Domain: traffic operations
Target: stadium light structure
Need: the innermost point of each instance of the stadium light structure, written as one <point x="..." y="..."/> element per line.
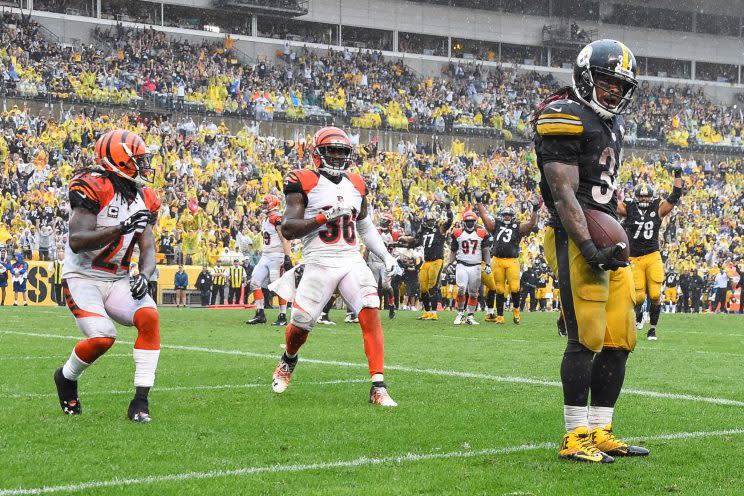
<point x="292" y="8"/>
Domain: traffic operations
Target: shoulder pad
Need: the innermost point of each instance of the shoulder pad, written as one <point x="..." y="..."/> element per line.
<point x="560" y="118"/>
<point x="300" y="181"/>
<point x="482" y="233"/>
<point x="152" y="202"/>
<point x="358" y="182"/>
<point x="90" y="190"/>
<point x="456" y="233"/>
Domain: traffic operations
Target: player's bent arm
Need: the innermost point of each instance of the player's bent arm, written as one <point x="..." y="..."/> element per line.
<point x="83" y="233"/>
<point x="443" y="228"/>
<point x="526" y="227"/>
<point x="667" y="205"/>
<point x="369" y="234"/>
<point x="146" y="243"/>
<point x="564" y="183"/>
<point x="622" y="211"/>
<point x="488" y="222"/>
<point x="295" y="225"/>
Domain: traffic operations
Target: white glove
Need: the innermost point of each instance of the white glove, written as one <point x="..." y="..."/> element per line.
<point x="335" y="212"/>
<point x="487" y="269"/>
<point x="390" y="264"/>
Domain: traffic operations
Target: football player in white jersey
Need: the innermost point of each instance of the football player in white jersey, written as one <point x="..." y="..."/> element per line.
<point x="377" y="264"/>
<point x="112" y="212"/>
<point x="275" y="256"/>
<point x="327" y="209"/>
<point x="469" y="249"/>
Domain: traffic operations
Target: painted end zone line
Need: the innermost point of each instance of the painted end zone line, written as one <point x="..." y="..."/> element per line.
<point x="358" y="462"/>
<point x="400" y="368"/>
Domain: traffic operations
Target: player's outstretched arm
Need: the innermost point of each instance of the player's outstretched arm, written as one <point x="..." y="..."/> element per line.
<point x="526" y="227"/>
<point x="146" y="244"/>
<point x="83" y="233"/>
<point x="488" y="222"/>
<point x="622" y="210"/>
<point x="667" y="205"/>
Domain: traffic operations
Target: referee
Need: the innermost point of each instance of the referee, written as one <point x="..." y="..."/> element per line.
<point x="55" y="277"/>
<point x="237" y="281"/>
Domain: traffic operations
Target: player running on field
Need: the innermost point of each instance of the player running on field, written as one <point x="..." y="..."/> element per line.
<point x="112" y="212"/>
<point x="469" y="250"/>
<point x="327" y="209"/>
<point x="275" y="256"/>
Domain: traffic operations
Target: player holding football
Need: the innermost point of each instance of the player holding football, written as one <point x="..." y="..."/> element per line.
<point x="327" y="208"/>
<point x="112" y="212"/>
<point x="469" y="250"/>
<point x="578" y="140"/>
<point x="643" y="217"/>
<point x="507" y="234"/>
<point x="276" y="254"/>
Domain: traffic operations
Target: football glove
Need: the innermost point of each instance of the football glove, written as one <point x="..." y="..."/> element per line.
<point x="138" y="285"/>
<point x="480" y="196"/>
<point x="604" y="259"/>
<point x="332" y="213"/>
<point x="677" y="170"/>
<point x="287" y="263"/>
<point x="137" y="221"/>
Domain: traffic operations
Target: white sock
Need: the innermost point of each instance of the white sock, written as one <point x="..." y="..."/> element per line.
<point x="471" y="309"/>
<point x="259" y="304"/>
<point x="283" y="308"/>
<point x="377" y="378"/>
<point x="145" y="364"/>
<point x="575" y="416"/>
<point x="74" y="367"/>
<point x="600" y="416"/>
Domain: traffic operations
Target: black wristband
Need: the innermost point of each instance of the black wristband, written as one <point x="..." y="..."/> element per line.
<point x="588" y="249"/>
<point x="675" y="196"/>
<point x="678" y="172"/>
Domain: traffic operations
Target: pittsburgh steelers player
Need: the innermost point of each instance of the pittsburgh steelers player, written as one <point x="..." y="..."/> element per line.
<point x="578" y="140"/>
<point x="507" y="233"/>
<point x="643" y="217"/>
<point x="670" y="290"/>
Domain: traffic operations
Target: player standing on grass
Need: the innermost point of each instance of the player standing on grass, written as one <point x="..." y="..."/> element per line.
<point x="111" y="214"/>
<point x="579" y="136"/>
<point x="327" y="208"/>
<point x="469" y="251"/>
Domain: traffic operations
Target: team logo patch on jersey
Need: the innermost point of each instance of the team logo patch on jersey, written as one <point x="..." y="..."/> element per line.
<point x="113" y="212"/>
<point x="653" y="214"/>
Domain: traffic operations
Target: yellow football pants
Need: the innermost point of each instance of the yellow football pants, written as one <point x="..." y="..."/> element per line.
<point x="648" y="274"/>
<point x="505" y="273"/>
<point x="670" y="295"/>
<point x="429" y="275"/>
<point x="597" y="306"/>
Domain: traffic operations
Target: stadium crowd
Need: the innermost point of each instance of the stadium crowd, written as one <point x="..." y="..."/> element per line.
<point x="361" y="88"/>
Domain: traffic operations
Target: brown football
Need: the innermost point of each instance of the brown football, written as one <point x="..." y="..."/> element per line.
<point x="606" y="231"/>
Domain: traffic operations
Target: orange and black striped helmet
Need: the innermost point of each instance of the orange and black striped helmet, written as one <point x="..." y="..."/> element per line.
<point x="331" y="150"/>
<point x="124" y="153"/>
<point x="270" y="202"/>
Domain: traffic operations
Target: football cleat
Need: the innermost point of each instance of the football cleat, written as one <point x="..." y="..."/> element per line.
<point x="458" y="319"/>
<point x="351" y="318"/>
<point x="139" y="411"/>
<point x="605" y="440"/>
<point x="651" y="334"/>
<point x="577" y="445"/>
<point x="281" y="320"/>
<point x="561" y="326"/>
<point x="515" y="319"/>
<point x="378" y="395"/>
<point x="391" y="313"/>
<point x="490" y="317"/>
<point x="639" y="325"/>
<point x="500" y="319"/>
<point x="470" y="320"/>
<point x="260" y="318"/>
<point x="323" y="319"/>
<point x="67" y="393"/>
<point x="282" y="375"/>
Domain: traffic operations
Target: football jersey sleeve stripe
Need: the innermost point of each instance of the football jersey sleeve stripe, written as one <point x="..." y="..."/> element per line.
<point x="559" y="129"/>
<point x="560" y="115"/>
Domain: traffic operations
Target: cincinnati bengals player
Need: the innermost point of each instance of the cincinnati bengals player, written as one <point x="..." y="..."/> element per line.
<point x="275" y="255"/>
<point x="327" y="209"/>
<point x="112" y="213"/>
<point x="376" y="264"/>
<point x="469" y="248"/>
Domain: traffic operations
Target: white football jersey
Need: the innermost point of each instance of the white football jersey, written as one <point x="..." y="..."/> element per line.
<point x="95" y="192"/>
<point x="469" y="245"/>
<point x="272" y="243"/>
<point x="334" y="243"/>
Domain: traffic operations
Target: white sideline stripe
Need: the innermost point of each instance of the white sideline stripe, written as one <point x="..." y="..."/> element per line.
<point x="157" y="389"/>
<point x="358" y="462"/>
<point x="49" y="357"/>
<point x="436" y="372"/>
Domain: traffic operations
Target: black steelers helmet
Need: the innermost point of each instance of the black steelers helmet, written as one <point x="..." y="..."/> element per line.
<point x="507" y="212"/>
<point x="644" y="194"/>
<point x="599" y="64"/>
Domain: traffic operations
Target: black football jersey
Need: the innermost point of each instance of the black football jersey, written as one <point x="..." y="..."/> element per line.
<point x="432" y="239"/>
<point x="671" y="280"/>
<point x="642" y="226"/>
<point x="506" y="238"/>
<point x="570" y="132"/>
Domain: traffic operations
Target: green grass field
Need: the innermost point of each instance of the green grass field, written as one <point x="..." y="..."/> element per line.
<point x="480" y="411"/>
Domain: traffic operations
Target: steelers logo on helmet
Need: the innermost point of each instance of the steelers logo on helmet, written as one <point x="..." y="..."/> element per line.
<point x="469" y="220"/>
<point x="604" y="77"/>
<point x="125" y="154"/>
<point x="331" y="151"/>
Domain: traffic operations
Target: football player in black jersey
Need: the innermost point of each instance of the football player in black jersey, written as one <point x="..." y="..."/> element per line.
<point x="578" y="139"/>
<point x="670" y="290"/>
<point x="643" y="217"/>
<point x="507" y="233"/>
<point x="432" y="236"/>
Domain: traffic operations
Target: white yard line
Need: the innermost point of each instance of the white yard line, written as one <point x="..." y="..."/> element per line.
<point x="49" y="357"/>
<point x="401" y="368"/>
<point x="332" y="465"/>
<point x="166" y="389"/>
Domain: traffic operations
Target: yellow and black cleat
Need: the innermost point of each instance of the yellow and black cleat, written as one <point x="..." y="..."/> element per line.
<point x="605" y="440"/>
<point x="500" y="319"/>
<point x="490" y="317"/>
<point x="433" y="316"/>
<point x="424" y="316"/>
<point x="577" y="445"/>
<point x="516" y="316"/>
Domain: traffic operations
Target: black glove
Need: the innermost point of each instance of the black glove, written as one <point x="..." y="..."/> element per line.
<point x="481" y="196"/>
<point x="138" y="285"/>
<point x="604" y="259"/>
<point x="287" y="263"/>
<point x="137" y="220"/>
<point x="535" y="202"/>
<point x="677" y="170"/>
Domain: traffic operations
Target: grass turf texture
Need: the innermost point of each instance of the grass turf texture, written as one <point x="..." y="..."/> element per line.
<point x="203" y="430"/>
